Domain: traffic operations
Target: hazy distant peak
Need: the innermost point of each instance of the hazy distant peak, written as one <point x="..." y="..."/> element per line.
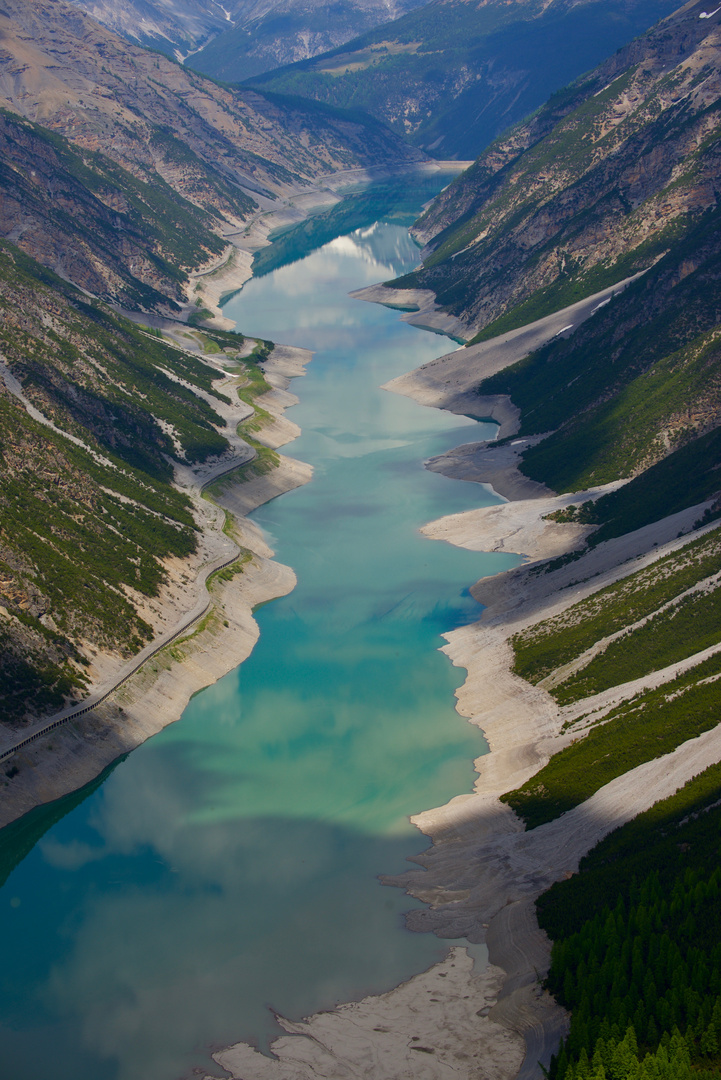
<point x="275" y="31"/>
<point x="182" y="25"/>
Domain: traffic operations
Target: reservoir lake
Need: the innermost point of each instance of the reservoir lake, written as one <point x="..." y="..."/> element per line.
<point x="228" y="867"/>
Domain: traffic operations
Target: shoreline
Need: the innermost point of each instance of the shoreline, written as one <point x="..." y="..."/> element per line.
<point x="191" y="640"/>
<point x="234" y="266"/>
<point x="482" y="873"/>
<point x="197" y="642"/>
<point x="522" y="723"/>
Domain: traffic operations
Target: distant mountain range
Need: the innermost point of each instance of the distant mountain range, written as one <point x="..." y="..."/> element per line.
<point x="120" y="167"/>
<point x="452" y="75"/>
<point x="250" y="35"/>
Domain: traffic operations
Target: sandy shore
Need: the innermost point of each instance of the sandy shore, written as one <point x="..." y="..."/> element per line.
<point x="450" y="381"/>
<point x="435" y="1025"/>
<point x="483" y="872"/>
<point x="419" y="307"/>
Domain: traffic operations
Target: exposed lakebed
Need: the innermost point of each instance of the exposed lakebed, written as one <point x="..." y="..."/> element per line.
<point x="229" y="865"/>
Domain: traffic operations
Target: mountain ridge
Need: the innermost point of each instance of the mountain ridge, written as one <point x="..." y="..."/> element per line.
<point x="140" y="131"/>
<point x="266" y="32"/>
<point x="453" y="75"/>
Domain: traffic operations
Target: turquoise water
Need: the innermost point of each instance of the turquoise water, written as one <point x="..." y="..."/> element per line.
<point x="229" y="866"/>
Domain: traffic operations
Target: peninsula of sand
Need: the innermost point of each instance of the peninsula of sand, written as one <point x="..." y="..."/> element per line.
<point x="483" y="872"/>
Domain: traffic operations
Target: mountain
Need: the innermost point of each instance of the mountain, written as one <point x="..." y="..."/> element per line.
<point x="595" y="186"/>
<point x="93" y="415"/>
<point x="267" y="35"/>
<point x="616" y="178"/>
<point x="454" y="74"/>
<point x="175" y="27"/>
<point x="121" y="168"/>
<point x="594" y="231"/>
<point x="256" y="34"/>
<point x="121" y="174"/>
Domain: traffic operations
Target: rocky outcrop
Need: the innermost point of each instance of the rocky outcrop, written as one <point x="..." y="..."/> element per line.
<point x="453" y="76"/>
<point x="258" y="34"/>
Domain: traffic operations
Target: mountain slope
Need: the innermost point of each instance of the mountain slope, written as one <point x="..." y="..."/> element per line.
<point x="259" y="34"/>
<point x="595" y="672"/>
<point x="175" y="27"/>
<point x="594" y="187"/>
<point x="89" y="513"/>
<point x="139" y="145"/>
<point x="266" y="35"/>
<point x="453" y="75"/>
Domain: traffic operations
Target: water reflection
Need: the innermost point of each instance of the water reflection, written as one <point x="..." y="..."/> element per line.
<point x="394" y="201"/>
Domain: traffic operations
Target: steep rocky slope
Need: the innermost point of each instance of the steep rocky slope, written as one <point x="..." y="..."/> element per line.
<point x="94" y="415"/>
<point x="255" y="34"/>
<point x="595" y="186"/>
<point x="266" y="34"/>
<point x="176" y="27"/>
<point x="138" y="145"/>
<point x="453" y="75"/>
<point x="595" y="671"/>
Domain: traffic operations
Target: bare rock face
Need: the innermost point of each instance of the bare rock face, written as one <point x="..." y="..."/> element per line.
<point x="268" y="33"/>
<point x="173" y="26"/>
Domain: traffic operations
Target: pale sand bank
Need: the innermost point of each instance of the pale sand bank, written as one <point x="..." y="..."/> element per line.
<point x="514" y="526"/>
<point x="434" y="1026"/>
<point x="450" y="381"/>
<point x="420" y="309"/>
<point x="480" y="880"/>
<point x="497" y="466"/>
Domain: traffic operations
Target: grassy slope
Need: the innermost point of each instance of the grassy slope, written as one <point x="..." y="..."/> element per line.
<point x="649" y="724"/>
<point x="83" y="524"/>
<point x="548" y="645"/>
<point x="593" y="187"/>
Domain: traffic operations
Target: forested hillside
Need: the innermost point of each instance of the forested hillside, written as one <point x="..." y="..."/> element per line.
<point x="94" y="414"/>
<point x="636" y="954"/>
